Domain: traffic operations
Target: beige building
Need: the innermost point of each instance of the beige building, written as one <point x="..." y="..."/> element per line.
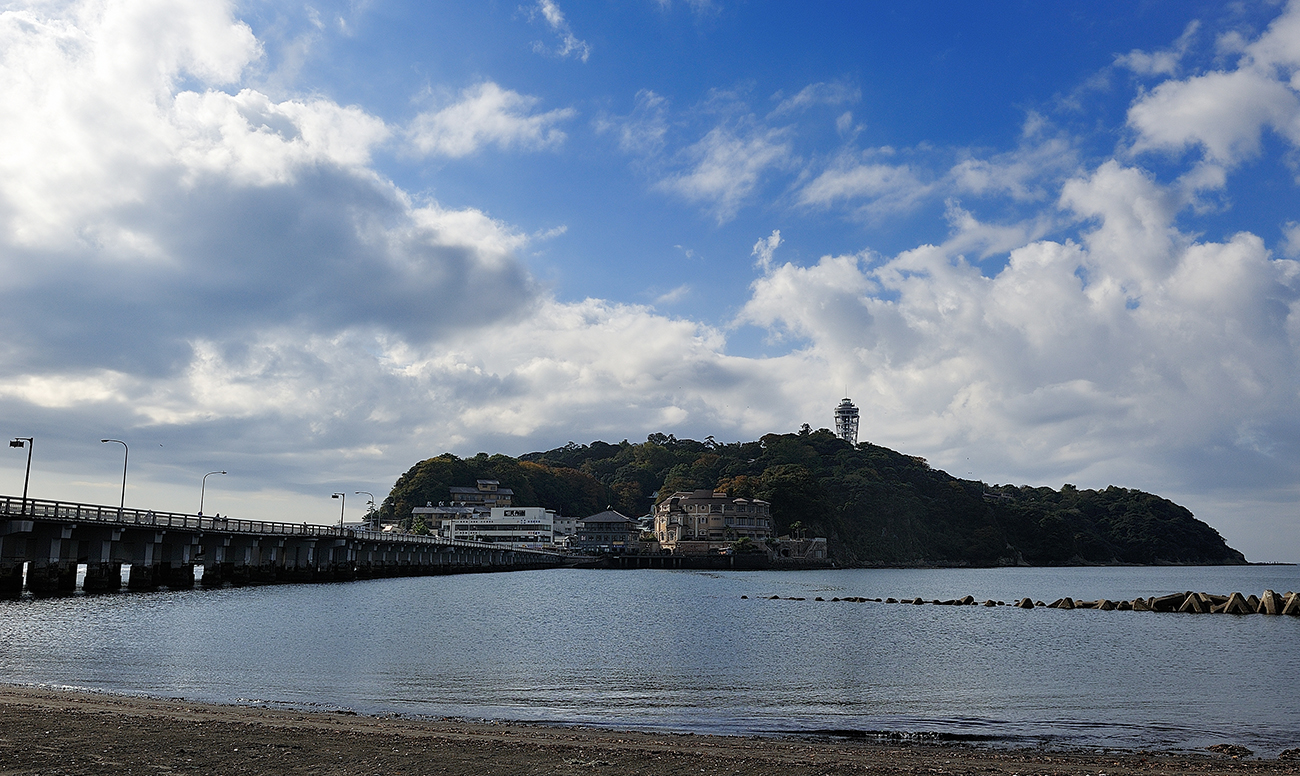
<point x="702" y="521"/>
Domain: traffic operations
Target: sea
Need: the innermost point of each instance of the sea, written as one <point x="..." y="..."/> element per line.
<point x="708" y="652"/>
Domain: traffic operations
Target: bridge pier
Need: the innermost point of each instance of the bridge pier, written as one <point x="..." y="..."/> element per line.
<point x="53" y="568"/>
<point x="100" y="549"/>
<point x="177" y="576"/>
<point x="142" y="576"/>
<point x="103" y="577"/>
<point x="145" y="550"/>
<point x="216" y="574"/>
<point x="52" y="577"/>
<point x="11" y="579"/>
<point x="13" y="554"/>
<point x="298" y="561"/>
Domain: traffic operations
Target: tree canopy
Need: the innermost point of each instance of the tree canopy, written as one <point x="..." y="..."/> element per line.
<point x="874" y="505"/>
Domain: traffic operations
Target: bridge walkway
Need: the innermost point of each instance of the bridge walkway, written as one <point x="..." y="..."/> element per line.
<point x="44" y="543"/>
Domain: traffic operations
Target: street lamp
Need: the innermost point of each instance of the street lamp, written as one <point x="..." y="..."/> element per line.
<point x="126" y="452"/>
<point x="371" y="502"/>
<point x="342" y="505"/>
<point x="30" y="443"/>
<point x="203" y="487"/>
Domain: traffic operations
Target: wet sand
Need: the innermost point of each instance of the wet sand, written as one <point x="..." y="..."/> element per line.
<point x="52" y="732"/>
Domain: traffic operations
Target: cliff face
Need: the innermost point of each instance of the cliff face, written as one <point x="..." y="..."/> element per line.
<point x="875" y="505"/>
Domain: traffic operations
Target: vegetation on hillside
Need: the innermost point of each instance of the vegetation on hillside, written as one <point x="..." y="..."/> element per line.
<point x="875" y="505"/>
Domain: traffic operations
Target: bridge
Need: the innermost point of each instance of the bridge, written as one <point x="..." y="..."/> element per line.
<point x="53" y="539"/>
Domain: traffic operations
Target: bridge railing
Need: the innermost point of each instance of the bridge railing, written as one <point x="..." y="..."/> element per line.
<point x="69" y="511"/>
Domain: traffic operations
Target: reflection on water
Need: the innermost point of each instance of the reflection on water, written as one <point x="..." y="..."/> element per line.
<point x="683" y="651"/>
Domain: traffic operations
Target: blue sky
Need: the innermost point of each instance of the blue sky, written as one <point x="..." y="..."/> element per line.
<point x="312" y="244"/>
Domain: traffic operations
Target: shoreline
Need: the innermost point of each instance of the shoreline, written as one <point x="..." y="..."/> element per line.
<point x="73" y="732"/>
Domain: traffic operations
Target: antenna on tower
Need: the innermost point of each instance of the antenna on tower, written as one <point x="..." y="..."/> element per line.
<point x="846" y="421"/>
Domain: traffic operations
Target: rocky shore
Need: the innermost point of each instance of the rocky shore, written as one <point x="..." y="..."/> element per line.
<point x="45" y="731"/>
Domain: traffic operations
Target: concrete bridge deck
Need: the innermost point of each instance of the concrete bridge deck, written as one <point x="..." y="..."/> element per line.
<point x="52" y="539"/>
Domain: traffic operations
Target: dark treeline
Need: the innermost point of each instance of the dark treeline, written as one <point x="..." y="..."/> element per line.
<point x="875" y="505"/>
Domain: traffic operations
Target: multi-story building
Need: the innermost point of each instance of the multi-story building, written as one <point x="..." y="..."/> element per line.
<point x="702" y="521"/>
<point x="607" y="531"/>
<point x="565" y="526"/>
<point x="435" y="516"/>
<point x="523" y="526"/>
<point x="485" y="493"/>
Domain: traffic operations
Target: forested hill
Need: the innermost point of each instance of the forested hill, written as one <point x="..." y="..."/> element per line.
<point x="875" y="505"/>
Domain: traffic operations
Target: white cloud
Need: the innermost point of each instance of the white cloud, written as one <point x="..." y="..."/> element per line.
<point x="872" y="185"/>
<point x="1026" y="174"/>
<point x="888" y="188"/>
<point x="1163" y="62"/>
<point x="185" y="261"/>
<point x="1291" y="240"/>
<point x="1225" y="112"/>
<point x="226" y="273"/>
<point x="643" y="132"/>
<point x="727" y="165"/>
<point x="765" y="249"/>
<point x="486" y="114"/>
<point x="1102" y="361"/>
<point x="675" y="295"/>
<point x="817" y="94"/>
<point x="569" y="44"/>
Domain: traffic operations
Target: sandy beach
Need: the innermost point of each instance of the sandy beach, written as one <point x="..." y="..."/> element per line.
<point x="45" y="731"/>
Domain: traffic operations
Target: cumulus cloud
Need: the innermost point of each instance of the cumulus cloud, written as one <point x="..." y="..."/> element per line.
<point x="1225" y="112"/>
<point x="226" y="273"/>
<point x="1291" y="240"/>
<point x="1070" y="349"/>
<point x="727" y="165"/>
<point x="484" y="115"/>
<point x="181" y="257"/>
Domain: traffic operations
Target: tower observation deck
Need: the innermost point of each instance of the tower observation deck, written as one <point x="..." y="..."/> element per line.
<point x="846" y="422"/>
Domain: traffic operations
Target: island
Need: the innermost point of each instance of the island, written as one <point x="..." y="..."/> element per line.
<point x="874" y="506"/>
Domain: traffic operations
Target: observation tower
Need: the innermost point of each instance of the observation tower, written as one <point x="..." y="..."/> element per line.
<point x="846" y="422"/>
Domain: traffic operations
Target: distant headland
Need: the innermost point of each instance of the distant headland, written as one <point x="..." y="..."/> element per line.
<point x="874" y="506"/>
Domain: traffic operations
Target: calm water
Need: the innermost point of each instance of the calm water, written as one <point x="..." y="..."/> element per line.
<point x="683" y="651"/>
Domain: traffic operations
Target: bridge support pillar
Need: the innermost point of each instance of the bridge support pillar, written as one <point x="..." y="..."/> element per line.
<point x="11" y="579"/>
<point x="216" y="574"/>
<point x="145" y="560"/>
<point x="177" y="576"/>
<point x="103" y="577"/>
<point x="216" y="571"/>
<point x="143" y="576"/>
<point x="13" y="553"/>
<point x="52" y="577"/>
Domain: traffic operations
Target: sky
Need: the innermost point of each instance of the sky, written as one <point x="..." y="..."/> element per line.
<point x="312" y="244"/>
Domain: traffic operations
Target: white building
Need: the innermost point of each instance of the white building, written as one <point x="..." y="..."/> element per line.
<point x="521" y="526"/>
<point x="565" y="526"/>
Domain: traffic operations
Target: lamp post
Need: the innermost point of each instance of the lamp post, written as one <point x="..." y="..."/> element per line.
<point x="342" y="505"/>
<point x="30" y="443"/>
<point x="202" y="488"/>
<point x="126" y="452"/>
<point x="371" y="502"/>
